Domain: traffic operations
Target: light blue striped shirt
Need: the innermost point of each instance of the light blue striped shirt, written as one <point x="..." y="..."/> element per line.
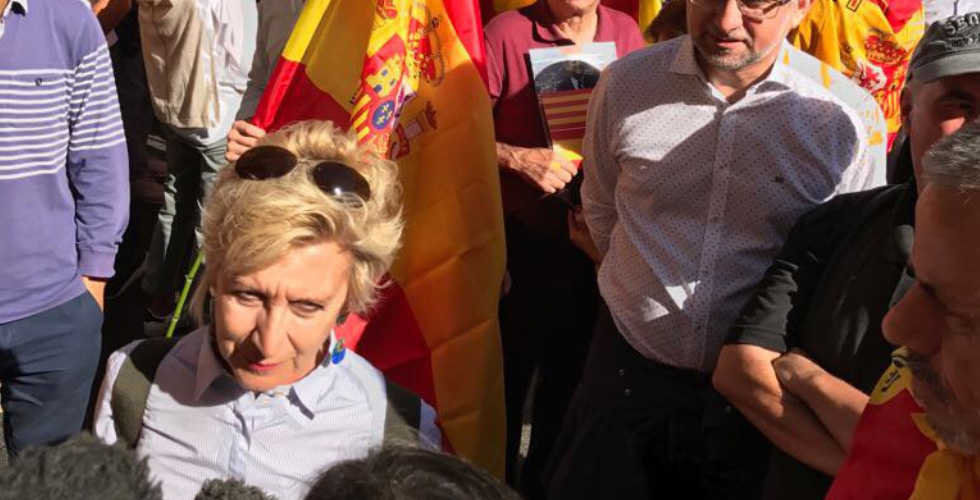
<point x="200" y="424"/>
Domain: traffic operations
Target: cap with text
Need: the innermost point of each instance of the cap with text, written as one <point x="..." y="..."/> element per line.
<point x="950" y="47"/>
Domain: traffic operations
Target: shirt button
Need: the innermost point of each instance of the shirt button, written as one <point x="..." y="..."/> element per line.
<point x="622" y="372"/>
<point x="627" y="392"/>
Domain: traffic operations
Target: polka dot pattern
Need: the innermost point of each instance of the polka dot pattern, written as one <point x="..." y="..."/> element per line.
<point x="692" y="196"/>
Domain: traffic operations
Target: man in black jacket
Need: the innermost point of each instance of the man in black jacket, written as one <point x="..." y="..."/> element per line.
<point x="808" y="346"/>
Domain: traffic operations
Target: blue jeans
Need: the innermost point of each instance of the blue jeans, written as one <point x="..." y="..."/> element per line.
<point x="47" y="366"/>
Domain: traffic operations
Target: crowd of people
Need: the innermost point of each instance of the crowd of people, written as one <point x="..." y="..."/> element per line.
<point x="729" y="297"/>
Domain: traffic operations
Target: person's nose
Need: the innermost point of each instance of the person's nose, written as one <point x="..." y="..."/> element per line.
<point x="728" y="17"/>
<point x="915" y="322"/>
<point x="272" y="331"/>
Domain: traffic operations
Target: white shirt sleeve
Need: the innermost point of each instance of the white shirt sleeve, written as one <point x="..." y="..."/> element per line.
<point x="600" y="168"/>
<point x="104" y="427"/>
<point x="862" y="173"/>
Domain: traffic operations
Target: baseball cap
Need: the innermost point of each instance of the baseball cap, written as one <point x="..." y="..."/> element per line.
<point x="949" y="47"/>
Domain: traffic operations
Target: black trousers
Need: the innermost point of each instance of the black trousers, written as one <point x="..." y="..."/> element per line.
<point x="638" y="429"/>
<point x="546" y="323"/>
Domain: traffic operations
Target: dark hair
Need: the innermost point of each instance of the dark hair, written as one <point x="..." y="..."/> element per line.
<point x="81" y="469"/>
<point x="403" y="473"/>
<point x="671" y="20"/>
<point x="230" y="489"/>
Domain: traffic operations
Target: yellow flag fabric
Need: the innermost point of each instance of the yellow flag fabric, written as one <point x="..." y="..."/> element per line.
<point x="869" y="41"/>
<point x="896" y="454"/>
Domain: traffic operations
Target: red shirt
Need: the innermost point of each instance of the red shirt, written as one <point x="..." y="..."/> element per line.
<point x="509" y="37"/>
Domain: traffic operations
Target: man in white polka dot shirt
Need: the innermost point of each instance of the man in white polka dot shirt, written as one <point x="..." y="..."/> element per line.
<point x="701" y="153"/>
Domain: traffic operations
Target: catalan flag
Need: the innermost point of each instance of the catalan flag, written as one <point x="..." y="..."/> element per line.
<point x="564" y="112"/>
<point x="406" y="77"/>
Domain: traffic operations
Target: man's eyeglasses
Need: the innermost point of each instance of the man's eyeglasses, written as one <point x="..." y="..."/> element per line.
<point x="334" y="178"/>
<point x="751" y="9"/>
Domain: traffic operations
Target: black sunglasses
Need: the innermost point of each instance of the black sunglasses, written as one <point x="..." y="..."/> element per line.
<point x="332" y="177"/>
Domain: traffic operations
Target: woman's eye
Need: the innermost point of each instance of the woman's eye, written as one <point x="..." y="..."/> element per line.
<point x="246" y="297"/>
<point x="307" y="308"/>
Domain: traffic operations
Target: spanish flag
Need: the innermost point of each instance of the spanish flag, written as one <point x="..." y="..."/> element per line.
<point x="407" y="77"/>
<point x="643" y="11"/>
<point x="895" y="453"/>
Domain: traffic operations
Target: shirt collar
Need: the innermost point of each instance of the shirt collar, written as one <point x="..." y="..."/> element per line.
<point x="209" y="367"/>
<point x="16" y="6"/>
<point x="303" y="393"/>
<point x="545" y="29"/>
<point x="684" y="62"/>
<point x="310" y="388"/>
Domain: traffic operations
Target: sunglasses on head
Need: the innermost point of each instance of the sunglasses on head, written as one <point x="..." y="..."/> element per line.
<point x="332" y="177"/>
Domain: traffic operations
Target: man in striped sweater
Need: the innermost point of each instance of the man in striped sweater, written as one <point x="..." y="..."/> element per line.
<point x="64" y="201"/>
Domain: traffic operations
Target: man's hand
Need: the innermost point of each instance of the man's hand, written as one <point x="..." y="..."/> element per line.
<point x="795" y="368"/>
<point x="578" y="233"/>
<point x="836" y="403"/>
<point x="548" y="170"/>
<point x="242" y="137"/>
<point x="745" y="375"/>
<point x="96" y="287"/>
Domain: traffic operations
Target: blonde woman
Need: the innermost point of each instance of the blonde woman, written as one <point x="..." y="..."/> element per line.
<point x="297" y="234"/>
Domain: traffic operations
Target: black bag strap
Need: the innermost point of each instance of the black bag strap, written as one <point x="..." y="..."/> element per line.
<point x="132" y="387"/>
<point x="402" y="415"/>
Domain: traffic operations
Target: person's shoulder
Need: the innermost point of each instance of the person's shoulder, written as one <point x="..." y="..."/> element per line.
<point x="812" y="98"/>
<point x="619" y="19"/>
<point x="507" y="24"/>
<point x="806" y="87"/>
<point x="174" y="347"/>
<point x="850" y="208"/>
<point x="357" y="369"/>
<point x="76" y="15"/>
<point x="647" y="63"/>
<point x="65" y="9"/>
<point x="73" y="23"/>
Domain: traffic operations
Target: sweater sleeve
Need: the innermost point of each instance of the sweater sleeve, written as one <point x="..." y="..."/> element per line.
<point x="97" y="159"/>
<point x="261" y="70"/>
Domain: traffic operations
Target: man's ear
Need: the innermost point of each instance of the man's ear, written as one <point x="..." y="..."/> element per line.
<point x="802" y="9"/>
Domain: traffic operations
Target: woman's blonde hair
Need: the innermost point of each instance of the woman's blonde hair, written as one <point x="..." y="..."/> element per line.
<point x="250" y="224"/>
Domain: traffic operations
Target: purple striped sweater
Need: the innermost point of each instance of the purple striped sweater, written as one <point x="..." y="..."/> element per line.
<point x="64" y="195"/>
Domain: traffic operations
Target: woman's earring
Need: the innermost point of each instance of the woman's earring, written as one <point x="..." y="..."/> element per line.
<point x="341" y="319"/>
